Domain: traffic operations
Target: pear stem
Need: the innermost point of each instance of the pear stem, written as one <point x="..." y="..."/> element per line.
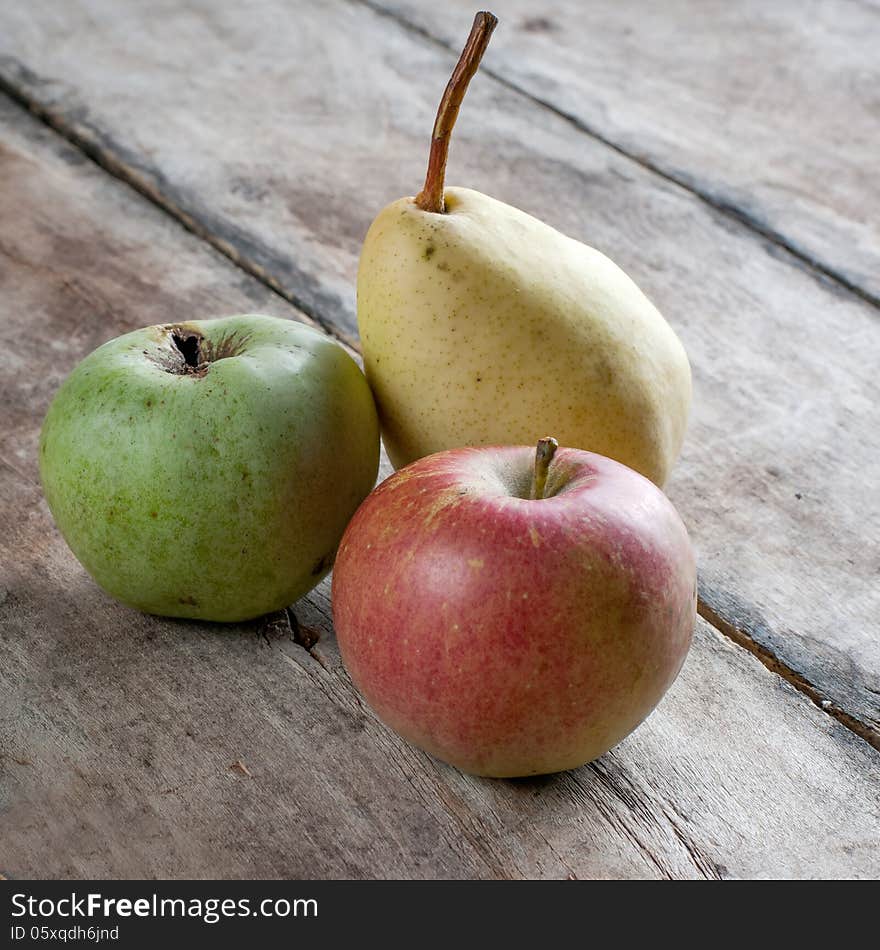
<point x="430" y="198"/>
<point x="543" y="457"/>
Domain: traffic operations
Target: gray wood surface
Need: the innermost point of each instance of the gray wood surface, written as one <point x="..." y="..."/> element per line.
<point x="277" y="134"/>
<point x="768" y="111"/>
<point x="136" y="746"/>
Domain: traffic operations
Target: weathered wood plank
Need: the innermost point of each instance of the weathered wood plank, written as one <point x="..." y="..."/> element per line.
<point x="766" y="110"/>
<point x="284" y="173"/>
<point x="120" y="733"/>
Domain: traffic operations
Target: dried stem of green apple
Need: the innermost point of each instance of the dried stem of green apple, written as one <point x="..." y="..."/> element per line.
<point x="430" y="198"/>
<point x="543" y="457"/>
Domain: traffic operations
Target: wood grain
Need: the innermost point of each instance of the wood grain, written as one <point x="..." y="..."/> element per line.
<point x="132" y="746"/>
<point x="768" y="111"/>
<point x="284" y="173"/>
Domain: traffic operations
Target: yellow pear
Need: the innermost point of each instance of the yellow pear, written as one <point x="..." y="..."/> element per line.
<point x="482" y="325"/>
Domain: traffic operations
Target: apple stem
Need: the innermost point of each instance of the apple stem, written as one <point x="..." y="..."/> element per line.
<point x="430" y="198"/>
<point x="543" y="457"/>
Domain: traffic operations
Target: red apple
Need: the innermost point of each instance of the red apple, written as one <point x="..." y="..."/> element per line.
<point x="510" y="618"/>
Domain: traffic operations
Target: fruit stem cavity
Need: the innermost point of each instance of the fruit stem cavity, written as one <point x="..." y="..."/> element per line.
<point x="430" y="198"/>
<point x="189" y="347"/>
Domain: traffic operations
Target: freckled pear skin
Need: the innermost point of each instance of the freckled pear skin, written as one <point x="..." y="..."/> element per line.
<point x="218" y="494"/>
<point x="483" y="325"/>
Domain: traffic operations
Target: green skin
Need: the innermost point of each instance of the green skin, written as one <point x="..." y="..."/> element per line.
<point x="210" y="478"/>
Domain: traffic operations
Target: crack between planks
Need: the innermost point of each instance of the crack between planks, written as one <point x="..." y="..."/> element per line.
<point x="705" y="194"/>
<point x="781" y="669"/>
<point x="111" y="159"/>
<point x="116" y="164"/>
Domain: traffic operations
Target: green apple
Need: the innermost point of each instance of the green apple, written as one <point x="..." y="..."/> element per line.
<point x="208" y="469"/>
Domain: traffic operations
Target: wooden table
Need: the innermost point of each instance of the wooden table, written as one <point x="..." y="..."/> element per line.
<point x="167" y="161"/>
